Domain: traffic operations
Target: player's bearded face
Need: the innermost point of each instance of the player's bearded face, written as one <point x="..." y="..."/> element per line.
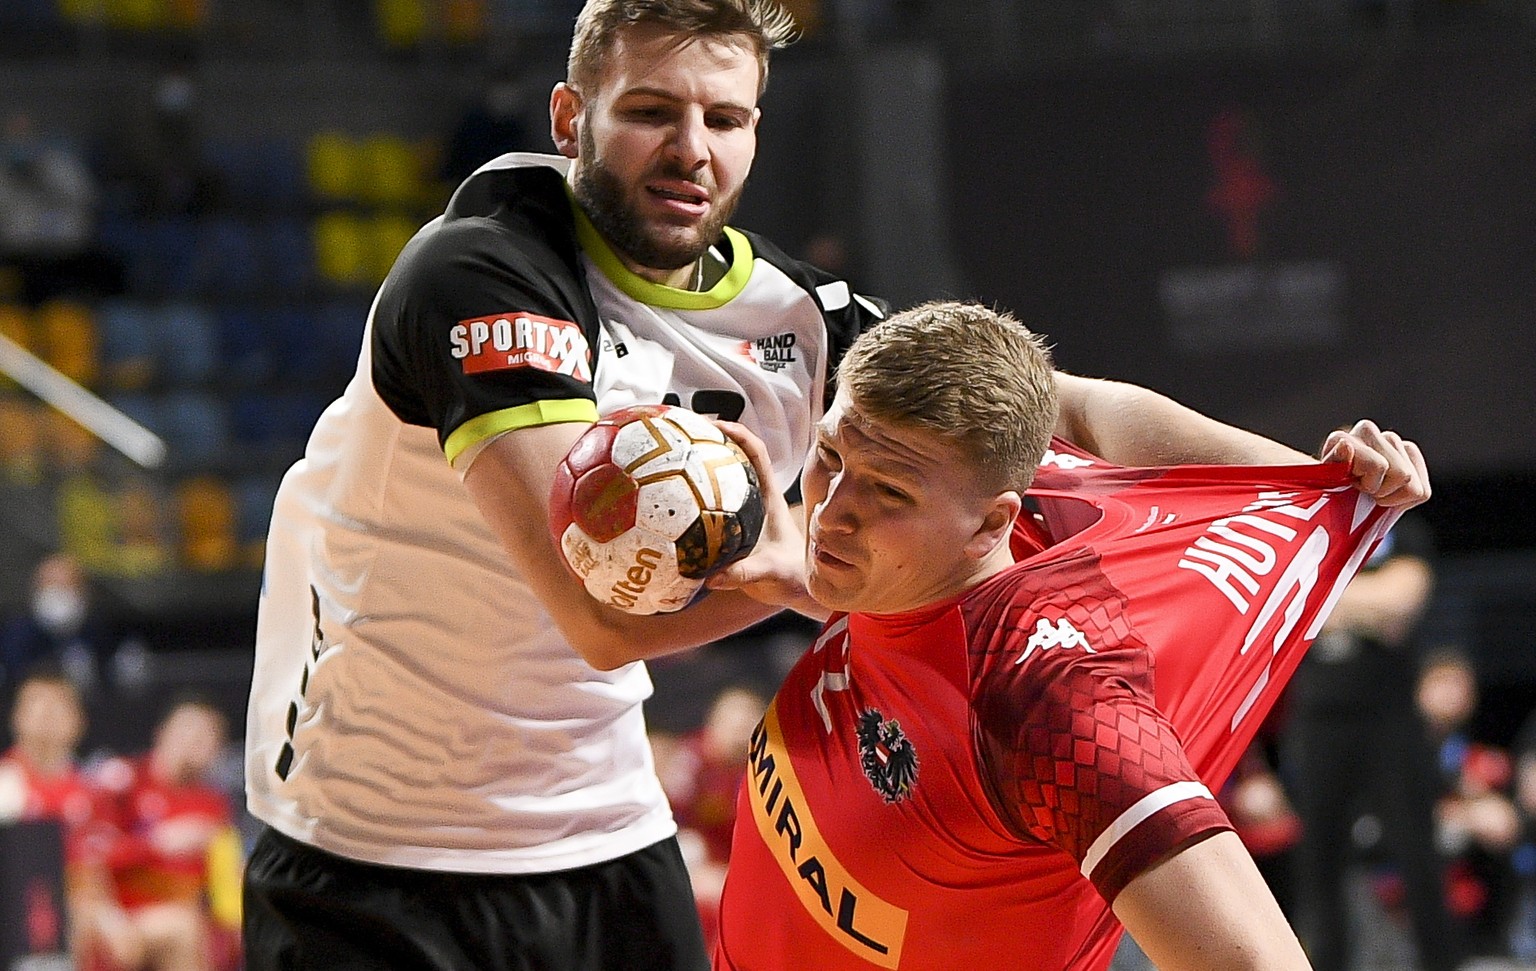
<point x="619" y="209"/>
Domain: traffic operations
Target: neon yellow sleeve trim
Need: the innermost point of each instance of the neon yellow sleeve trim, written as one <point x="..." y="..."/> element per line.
<point x="535" y="413"/>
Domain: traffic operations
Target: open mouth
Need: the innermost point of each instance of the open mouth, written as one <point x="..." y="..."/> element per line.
<point x="681" y="195"/>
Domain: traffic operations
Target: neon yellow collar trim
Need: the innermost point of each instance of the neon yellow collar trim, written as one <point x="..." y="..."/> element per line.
<point x="655" y="294"/>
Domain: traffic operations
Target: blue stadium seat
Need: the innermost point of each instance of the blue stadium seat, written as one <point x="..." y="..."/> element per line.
<point x="189" y="343"/>
<point x="253" y="506"/>
<point x="244" y="348"/>
<point x="197" y="425"/>
<point x="229" y="258"/>
<point x="129" y="342"/>
<point x="289" y="255"/>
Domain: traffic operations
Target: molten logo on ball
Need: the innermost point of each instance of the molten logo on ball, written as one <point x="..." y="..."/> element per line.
<point x="649" y="503"/>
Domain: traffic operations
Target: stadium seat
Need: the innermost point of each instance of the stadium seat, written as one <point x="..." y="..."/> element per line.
<point x="66" y="336"/>
<point x="86" y="521"/>
<point x="21" y="436"/>
<point x="253" y="514"/>
<point x="387" y="234"/>
<point x="400" y="23"/>
<point x="185" y="14"/>
<point x="331" y="167"/>
<point x="342" y="251"/>
<point x="229" y="258"/>
<point x="197" y="426"/>
<point x="389" y="170"/>
<point x="82" y="12"/>
<point x="16" y="323"/>
<point x="166" y="263"/>
<point x="289" y="255"/>
<point x="206" y="517"/>
<point x="128" y="343"/>
<point x="464" y="21"/>
<point x="135" y="15"/>
<point x="188" y="340"/>
<point x="68" y="445"/>
<point x="245" y="351"/>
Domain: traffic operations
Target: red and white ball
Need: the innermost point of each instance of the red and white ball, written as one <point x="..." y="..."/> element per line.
<point x="649" y="502"/>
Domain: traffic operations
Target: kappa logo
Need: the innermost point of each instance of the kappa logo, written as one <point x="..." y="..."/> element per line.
<point x="1065" y="461"/>
<point x="1058" y="635"/>
<point x="521" y="340"/>
<point x="887" y="756"/>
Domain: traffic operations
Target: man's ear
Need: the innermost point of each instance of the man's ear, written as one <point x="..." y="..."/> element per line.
<point x="996" y="525"/>
<point x="565" y="119"/>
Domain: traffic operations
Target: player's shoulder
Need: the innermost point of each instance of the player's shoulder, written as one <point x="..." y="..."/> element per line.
<point x="1044" y="615"/>
<point x="511" y="213"/>
<point x="833" y="294"/>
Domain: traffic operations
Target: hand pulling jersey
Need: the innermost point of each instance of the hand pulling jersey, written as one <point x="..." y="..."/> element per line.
<point x="969" y="785"/>
<point x="412" y="703"/>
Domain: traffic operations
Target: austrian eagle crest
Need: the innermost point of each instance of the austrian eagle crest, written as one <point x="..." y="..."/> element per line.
<point x="887" y="756"/>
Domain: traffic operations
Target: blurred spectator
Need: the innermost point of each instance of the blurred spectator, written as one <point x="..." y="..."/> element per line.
<point x="40" y="779"/>
<point x="1354" y="743"/>
<point x="1522" y="926"/>
<point x="1478" y="826"/>
<point x="63" y="623"/>
<point x="702" y="772"/>
<point x="495" y="121"/>
<point x="48" y="199"/>
<point x="152" y="162"/>
<point x="173" y="830"/>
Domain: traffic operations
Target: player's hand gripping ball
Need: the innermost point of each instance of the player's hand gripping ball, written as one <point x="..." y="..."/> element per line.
<point x="650" y="502"/>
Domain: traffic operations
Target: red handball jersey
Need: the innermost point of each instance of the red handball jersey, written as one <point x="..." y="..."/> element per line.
<point x="67" y="798"/>
<point x="968" y="785"/>
<point x="163" y="833"/>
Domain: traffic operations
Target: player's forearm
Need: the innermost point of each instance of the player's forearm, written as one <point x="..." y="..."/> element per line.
<point x="1131" y="425"/>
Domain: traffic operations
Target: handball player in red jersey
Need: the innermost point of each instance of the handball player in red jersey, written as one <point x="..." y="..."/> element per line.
<point x="1003" y="745"/>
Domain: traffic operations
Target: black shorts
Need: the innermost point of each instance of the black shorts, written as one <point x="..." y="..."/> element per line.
<point x="305" y="908"/>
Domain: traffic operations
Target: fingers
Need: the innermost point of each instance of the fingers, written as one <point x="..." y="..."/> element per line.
<point x="1385" y="466"/>
<point x="756" y="451"/>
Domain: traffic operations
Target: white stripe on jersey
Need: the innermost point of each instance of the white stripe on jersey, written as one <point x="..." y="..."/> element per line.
<point x="1144" y="808"/>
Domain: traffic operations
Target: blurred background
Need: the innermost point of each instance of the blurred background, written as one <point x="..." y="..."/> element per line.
<point x="1286" y="213"/>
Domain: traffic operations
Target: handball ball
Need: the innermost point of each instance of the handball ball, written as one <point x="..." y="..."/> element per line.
<point x="651" y="501"/>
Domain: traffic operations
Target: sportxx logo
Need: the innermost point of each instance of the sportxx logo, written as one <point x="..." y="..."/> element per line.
<point x="870" y="927"/>
<point x="521" y="340"/>
<point x="1063" y="460"/>
<point x="1058" y="635"/>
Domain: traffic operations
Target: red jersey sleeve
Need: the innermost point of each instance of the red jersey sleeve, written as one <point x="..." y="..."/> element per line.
<point x="1073" y="749"/>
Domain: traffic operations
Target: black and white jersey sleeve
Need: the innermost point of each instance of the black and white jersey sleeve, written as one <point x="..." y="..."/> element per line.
<point x="486" y="324"/>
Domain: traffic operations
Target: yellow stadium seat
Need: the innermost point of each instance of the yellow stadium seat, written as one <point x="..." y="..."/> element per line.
<point x="16" y="323"/>
<point x="67" y="338"/>
<point x="206" y="510"/>
<point x="83" y="12"/>
<point x="401" y="23"/>
<point x="21" y="461"/>
<point x="135" y="14"/>
<point x="389" y="170"/>
<point x="388" y="232"/>
<point x="341" y="252"/>
<point x="331" y="166"/>
<point x="70" y="447"/>
<point x="86" y="522"/>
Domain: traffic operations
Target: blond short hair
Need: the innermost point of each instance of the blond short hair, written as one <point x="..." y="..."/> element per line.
<point x="972" y="375"/>
<point x="762" y="24"/>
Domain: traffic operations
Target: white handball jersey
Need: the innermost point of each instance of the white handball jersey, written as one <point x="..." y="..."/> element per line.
<point x="413" y="704"/>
